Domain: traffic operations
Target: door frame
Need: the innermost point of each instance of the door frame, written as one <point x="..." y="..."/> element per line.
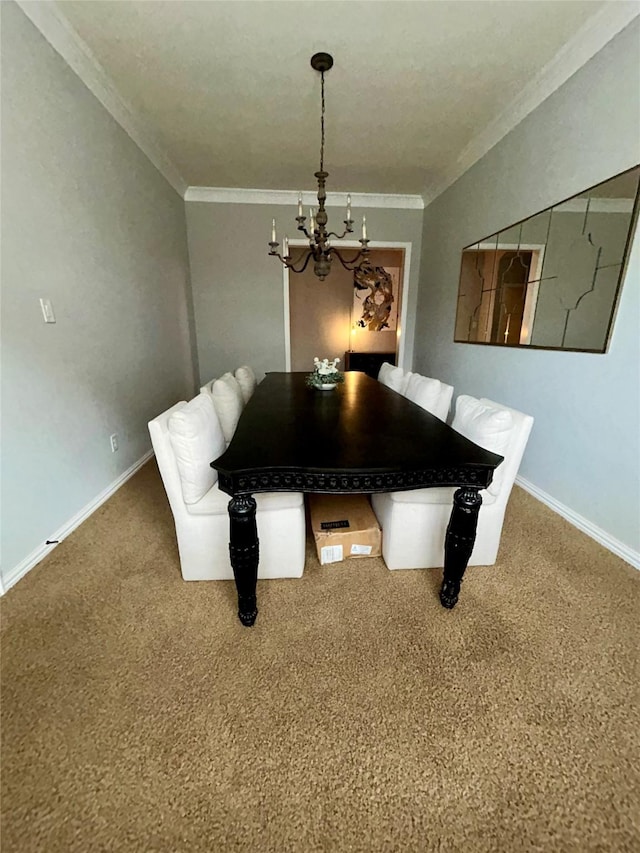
<point x="355" y="244"/>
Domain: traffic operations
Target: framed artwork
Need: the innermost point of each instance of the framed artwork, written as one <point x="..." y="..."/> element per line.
<point x="375" y="303"/>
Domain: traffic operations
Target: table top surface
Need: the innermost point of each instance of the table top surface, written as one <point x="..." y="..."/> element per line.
<point x="361" y="436"/>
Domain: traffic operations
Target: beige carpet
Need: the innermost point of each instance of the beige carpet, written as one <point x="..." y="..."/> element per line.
<point x="357" y="715"/>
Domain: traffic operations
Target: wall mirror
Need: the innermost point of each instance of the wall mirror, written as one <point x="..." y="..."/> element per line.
<point x="551" y="281"/>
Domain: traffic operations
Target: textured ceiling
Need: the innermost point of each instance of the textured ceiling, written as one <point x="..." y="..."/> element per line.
<point x="227" y="89"/>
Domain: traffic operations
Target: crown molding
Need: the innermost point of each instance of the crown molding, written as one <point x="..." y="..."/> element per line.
<point x="47" y="18"/>
<point x="614" y="16"/>
<point x="592" y="37"/>
<point x="231" y="195"/>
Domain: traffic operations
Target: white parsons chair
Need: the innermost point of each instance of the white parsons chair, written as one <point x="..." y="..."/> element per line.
<point x="247" y="381"/>
<point x="245" y="377"/>
<point x="207" y="386"/>
<point x="202" y="526"/>
<point x="393" y="377"/>
<point x="228" y="400"/>
<point x="414" y="523"/>
<point x="430" y="394"/>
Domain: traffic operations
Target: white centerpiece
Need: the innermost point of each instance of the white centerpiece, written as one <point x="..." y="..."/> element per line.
<point x="325" y="374"/>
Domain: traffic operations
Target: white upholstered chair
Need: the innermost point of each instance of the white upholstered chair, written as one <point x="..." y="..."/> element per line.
<point x="431" y="394"/>
<point x="202" y="526"/>
<point x="244" y="376"/>
<point x="228" y="400"/>
<point x="393" y="377"/>
<point x="207" y="386"/>
<point x="414" y="523"/>
<point x="246" y="380"/>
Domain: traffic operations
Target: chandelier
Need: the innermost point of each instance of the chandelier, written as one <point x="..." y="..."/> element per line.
<point x="320" y="248"/>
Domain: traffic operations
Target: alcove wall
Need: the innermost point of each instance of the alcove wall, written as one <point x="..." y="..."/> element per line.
<point x="322" y="317"/>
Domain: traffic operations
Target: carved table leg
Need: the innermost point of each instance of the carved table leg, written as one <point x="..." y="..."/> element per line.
<point x="461" y="536"/>
<point x="244" y="553"/>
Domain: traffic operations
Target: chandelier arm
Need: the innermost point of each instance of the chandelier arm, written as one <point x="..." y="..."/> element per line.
<point x="339" y="236"/>
<point x="347" y="261"/>
<point x="305" y="232"/>
<point x="307" y="258"/>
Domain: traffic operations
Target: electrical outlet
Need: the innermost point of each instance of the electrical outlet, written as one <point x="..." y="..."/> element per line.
<point x="114" y="442"/>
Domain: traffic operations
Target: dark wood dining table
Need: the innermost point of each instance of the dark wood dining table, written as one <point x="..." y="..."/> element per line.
<point x="359" y="437"/>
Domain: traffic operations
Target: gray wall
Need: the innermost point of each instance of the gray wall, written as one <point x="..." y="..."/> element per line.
<point x="584" y="449"/>
<point x="90" y="224"/>
<point x="238" y="289"/>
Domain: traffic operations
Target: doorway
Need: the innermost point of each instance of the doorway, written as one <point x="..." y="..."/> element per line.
<point x="498" y="293"/>
<point x="336" y="318"/>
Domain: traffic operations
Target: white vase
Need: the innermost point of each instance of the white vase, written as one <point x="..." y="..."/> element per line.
<point x="326" y="386"/>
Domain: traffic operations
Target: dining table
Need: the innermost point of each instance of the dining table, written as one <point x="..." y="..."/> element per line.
<point x="360" y="437"/>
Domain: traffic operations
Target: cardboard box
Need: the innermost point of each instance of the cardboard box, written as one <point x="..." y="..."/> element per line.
<point x="344" y="526"/>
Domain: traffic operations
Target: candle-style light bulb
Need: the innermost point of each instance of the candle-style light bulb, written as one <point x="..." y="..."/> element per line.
<point x="348" y="206"/>
<point x="273" y="231"/>
<point x="364" y="227"/>
<point x="299" y="204"/>
<point x="285" y="247"/>
<point x="312" y="219"/>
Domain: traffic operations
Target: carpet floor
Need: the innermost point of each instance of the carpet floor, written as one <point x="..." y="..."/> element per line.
<point x="357" y="715"/>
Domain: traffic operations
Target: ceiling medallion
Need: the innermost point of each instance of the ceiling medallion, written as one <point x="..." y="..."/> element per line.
<point x="320" y="248"/>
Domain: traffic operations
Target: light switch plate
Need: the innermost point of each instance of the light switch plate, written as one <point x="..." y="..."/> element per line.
<point x="47" y="311"/>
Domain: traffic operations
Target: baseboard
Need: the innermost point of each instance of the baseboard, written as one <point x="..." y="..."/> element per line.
<point x="19" y="571"/>
<point x="611" y="543"/>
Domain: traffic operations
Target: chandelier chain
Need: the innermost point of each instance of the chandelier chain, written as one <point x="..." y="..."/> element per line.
<point x="320" y="250"/>
<point x="322" y="127"/>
